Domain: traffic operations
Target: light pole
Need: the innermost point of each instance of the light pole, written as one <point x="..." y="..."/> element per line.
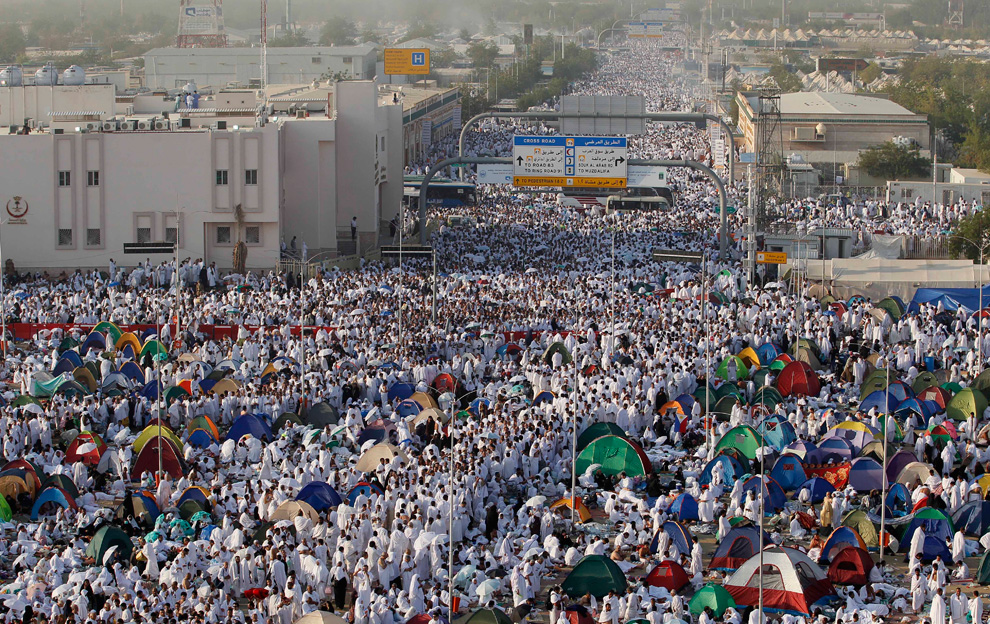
<point x="982" y="247"/>
<point x="3" y="303"/>
<point x="303" y="278"/>
<point x="450" y="516"/>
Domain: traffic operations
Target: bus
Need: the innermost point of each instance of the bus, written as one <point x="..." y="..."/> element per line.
<point x="592" y="197"/>
<point x="443" y="192"/>
<point x="626" y="203"/>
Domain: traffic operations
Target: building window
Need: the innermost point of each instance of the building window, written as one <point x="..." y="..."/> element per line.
<point x="383" y="144"/>
<point x="93" y="237"/>
<point x="144" y="235"/>
<point x="348" y="60"/>
<point x="252" y="235"/>
<point x="317" y="60"/>
<point x="64" y="178"/>
<point x="251" y="177"/>
<point x="92" y="178"/>
<point x="172" y="235"/>
<point x="907" y="193"/>
<point x="65" y="237"/>
<point x="223" y="234"/>
<point x="221" y="177"/>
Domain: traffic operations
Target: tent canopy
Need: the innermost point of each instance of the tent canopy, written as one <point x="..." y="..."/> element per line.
<point x="615" y="455"/>
<point x="596" y="575"/>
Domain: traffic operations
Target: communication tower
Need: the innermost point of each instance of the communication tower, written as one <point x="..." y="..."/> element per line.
<point x="769" y="152"/>
<point x="954" y="18"/>
<point x="201" y="24"/>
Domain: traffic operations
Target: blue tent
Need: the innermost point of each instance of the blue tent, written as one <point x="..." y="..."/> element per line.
<point x="205" y="385"/>
<point x="901" y="390"/>
<point x="127" y="353"/>
<point x="767" y="353"/>
<point x="935" y="547"/>
<point x="817" y="489"/>
<point x="201" y="439"/>
<point x="408" y="408"/>
<point x="65" y="365"/>
<point x="365" y="488"/>
<point x="914" y="405"/>
<point x="687" y="402"/>
<point x="150" y="504"/>
<point x="206" y="531"/>
<point x="133" y="371"/>
<point x="194" y="494"/>
<point x="545" y="396"/>
<point x="773" y="495"/>
<point x="973" y="518"/>
<point x="934" y="523"/>
<point x="679" y="536"/>
<point x="842" y="537"/>
<point x="835" y="446"/>
<point x="94" y="341"/>
<point x="401" y="391"/>
<point x="150" y="390"/>
<point x="684" y="507"/>
<point x="320" y="495"/>
<point x="788" y="472"/>
<point x="898" y="500"/>
<point x="951" y="298"/>
<point x="249" y="424"/>
<point x="776" y="432"/>
<point x="878" y="399"/>
<point x="732" y="469"/>
<point x="73" y="357"/>
<point x="866" y="474"/>
<point x="52" y="495"/>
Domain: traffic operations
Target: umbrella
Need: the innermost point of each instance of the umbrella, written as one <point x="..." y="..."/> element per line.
<point x="488" y="587"/>
<point x="424" y="540"/>
<point x="536" y="501"/>
<point x="464" y="574"/>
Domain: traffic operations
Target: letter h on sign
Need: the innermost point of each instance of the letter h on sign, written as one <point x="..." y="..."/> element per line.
<point x="418" y="59"/>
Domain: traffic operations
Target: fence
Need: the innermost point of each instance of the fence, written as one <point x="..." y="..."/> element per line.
<point x="926" y="248"/>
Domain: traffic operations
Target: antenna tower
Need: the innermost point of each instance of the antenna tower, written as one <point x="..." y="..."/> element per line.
<point x="769" y="152"/>
<point x="201" y="24"/>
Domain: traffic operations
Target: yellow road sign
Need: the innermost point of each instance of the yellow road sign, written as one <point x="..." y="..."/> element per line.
<point x="406" y="61"/>
<point x="771" y="257"/>
<point x="565" y="182"/>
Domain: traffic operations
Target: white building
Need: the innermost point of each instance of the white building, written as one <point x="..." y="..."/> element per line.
<point x="73" y="199"/>
<point x="172" y="68"/>
<point x="968" y="184"/>
<point x="63" y="103"/>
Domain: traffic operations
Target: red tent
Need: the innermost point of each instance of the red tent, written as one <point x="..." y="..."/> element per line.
<point x="852" y="566"/>
<point x="577" y="614"/>
<point x="147" y="459"/>
<point x="668" y="574"/>
<point x="445" y="382"/>
<point x="798" y="378"/>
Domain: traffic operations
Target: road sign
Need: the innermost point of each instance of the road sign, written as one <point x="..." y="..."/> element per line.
<point x="149" y="248"/>
<point x="406" y="61"/>
<point x="638" y="176"/>
<point x="598" y="111"/>
<point x="771" y="257"/>
<point x="569" y="161"/>
<point x="677" y="255"/>
<point x="495" y="174"/>
<point x="408" y="251"/>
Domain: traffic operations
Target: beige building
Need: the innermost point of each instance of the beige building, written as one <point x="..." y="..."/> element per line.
<point x="833" y="127"/>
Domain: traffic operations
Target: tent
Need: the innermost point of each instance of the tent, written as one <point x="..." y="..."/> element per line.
<point x="363" y="488"/>
<point x="913" y="473"/>
<point x="319" y="495"/>
<point x="321" y="415"/>
<point x="284" y="420"/>
<point x="371" y="459"/>
<point x="858" y="434"/>
<point x="817" y="488"/>
<point x="951" y="299"/>
<point x="582" y="513"/>
<point x="777" y="433"/>
<point x="320" y="617"/>
<point x="774" y="498"/>
<point x="788" y="472"/>
<point x="668" y="574"/>
<point x="835" y="446"/>
<point x="933" y="522"/>
<point x="898" y="500"/>
<point x="738" y="545"/>
<point x="731" y="468"/>
<point x="743" y="438"/>
<point x="201" y="438"/>
<point x="598" y="430"/>
<point x="147" y="459"/>
<point x="292" y="508"/>
<point x="798" y="378"/>
<point x="897" y="462"/>
<point x="768" y="353"/>
<point x="966" y="403"/>
<point x="684" y="507"/>
<point x="249" y="424"/>
<point x="557" y="347"/>
<point x="865" y="474"/>
<point x="750" y="357"/>
<point x="792" y="582"/>
<point x="106" y="537"/>
<point x="52" y="496"/>
<point x="92" y="456"/>
<point x="596" y="575"/>
<point x="5" y="512"/>
<point x="151" y="432"/>
<point x="859" y="521"/>
<point x="615" y="455"/>
<point x="973" y="518"/>
<point x="852" y="566"/>
<point x="712" y="596"/>
<point x="732" y="369"/>
<point x="842" y="537"/>
<point x="679" y="537"/>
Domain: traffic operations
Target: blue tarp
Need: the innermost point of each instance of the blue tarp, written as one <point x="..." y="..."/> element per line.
<point x="951" y="298"/>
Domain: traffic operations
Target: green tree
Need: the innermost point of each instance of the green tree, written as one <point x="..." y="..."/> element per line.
<point x="482" y="53"/>
<point x="788" y="82"/>
<point x="12" y="42"/>
<point x="972" y="229"/>
<point x="421" y="29"/>
<point x="290" y="40"/>
<point x="871" y="73"/>
<point x="442" y="57"/>
<point x="338" y="30"/>
<point x="893" y="162"/>
<point x="464" y="34"/>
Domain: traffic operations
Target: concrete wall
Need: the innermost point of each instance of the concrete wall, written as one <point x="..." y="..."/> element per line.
<point x="37" y="103"/>
<point x="143" y="178"/>
<point x="309" y="184"/>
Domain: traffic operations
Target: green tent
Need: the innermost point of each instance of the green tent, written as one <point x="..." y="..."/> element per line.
<point x="174" y="392"/>
<point x="760" y="377"/>
<point x="860" y="522"/>
<point x="981" y="383"/>
<point x="597" y="430"/>
<point x="24" y="399"/>
<point x="707" y="391"/>
<point x="71" y="388"/>
<point x="155" y="347"/>
<point x="106" y="537"/>
<point x="714" y="596"/>
<point x="5" y="513"/>
<point x="107" y="326"/>
<point x="742" y="371"/>
<point x="983" y="573"/>
<point x="743" y="438"/>
<point x="615" y="454"/>
<point x="965" y="403"/>
<point x="723" y="409"/>
<point x="596" y="575"/>
<point x="892" y="307"/>
<point x="728" y="389"/>
<point x="778" y="365"/>
<point x="557" y="347"/>
<point x="48" y="388"/>
<point x="927" y="379"/>
<point x="282" y="420"/>
<point x="768" y="395"/>
<point x="67" y="344"/>
<point x="952" y="387"/>
<point x="489" y="616"/>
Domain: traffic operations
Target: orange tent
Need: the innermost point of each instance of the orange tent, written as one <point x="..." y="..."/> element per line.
<point x="582" y="510"/>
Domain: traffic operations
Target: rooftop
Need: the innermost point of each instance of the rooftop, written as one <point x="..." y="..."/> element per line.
<point x="355" y="50"/>
<point x="819" y="103"/>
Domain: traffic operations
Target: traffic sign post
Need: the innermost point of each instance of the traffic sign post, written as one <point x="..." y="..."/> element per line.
<point x="771" y="257"/>
<point x="568" y="161"/>
<point x="407" y="61"/>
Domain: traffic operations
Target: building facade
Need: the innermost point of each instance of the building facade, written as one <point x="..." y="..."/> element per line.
<point x="172" y="68"/>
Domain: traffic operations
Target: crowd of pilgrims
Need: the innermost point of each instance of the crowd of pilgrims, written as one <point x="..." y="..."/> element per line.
<point x="531" y="265"/>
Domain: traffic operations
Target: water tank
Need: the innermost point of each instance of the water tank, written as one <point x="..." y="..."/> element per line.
<point x="11" y="77"/>
<point x="47" y="76"/>
<point x="74" y="76"/>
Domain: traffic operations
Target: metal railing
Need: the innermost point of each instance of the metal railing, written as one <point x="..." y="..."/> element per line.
<point x="926" y="248"/>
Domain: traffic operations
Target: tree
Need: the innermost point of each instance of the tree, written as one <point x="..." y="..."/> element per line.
<point x="338" y="31"/>
<point x="12" y="42"/>
<point x="871" y="73"/>
<point x="973" y="228"/>
<point x="482" y="53"/>
<point x="464" y="34"/>
<point x="421" y="29"/>
<point x="893" y="162"/>
<point x="443" y="57"/>
<point x="788" y="82"/>
<point x="290" y="40"/>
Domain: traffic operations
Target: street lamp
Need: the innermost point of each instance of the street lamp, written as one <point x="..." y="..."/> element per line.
<point x="982" y="247"/>
<point x="3" y="303"/>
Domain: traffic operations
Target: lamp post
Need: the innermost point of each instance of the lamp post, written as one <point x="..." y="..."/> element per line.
<point x="3" y="303"/>
<point x="303" y="278"/>
<point x="450" y="525"/>
<point x="982" y="247"/>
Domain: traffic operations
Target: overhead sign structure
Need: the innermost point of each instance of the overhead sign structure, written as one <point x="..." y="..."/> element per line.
<point x="602" y="114"/>
<point x="771" y="257"/>
<point x="409" y="251"/>
<point x="638" y="176"/>
<point x="569" y="161"/>
<point x="407" y="61"/>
